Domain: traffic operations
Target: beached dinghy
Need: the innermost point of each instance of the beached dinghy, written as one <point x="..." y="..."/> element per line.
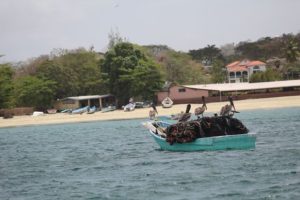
<point x="80" y="110"/>
<point x="167" y="103"/>
<point x="51" y="111"/>
<point x="223" y="142"/>
<point x="92" y="110"/>
<point x="68" y="110"/>
<point x="129" y="107"/>
<point x="108" y="109"/>
<point x="38" y="113"/>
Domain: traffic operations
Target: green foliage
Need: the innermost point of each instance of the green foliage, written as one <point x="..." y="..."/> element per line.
<point x="218" y="72"/>
<point x="268" y="75"/>
<point x="147" y="80"/>
<point x="34" y="92"/>
<point x="249" y="50"/>
<point x="292" y="70"/>
<point x="206" y="55"/>
<point x="29" y="67"/>
<point x="266" y="48"/>
<point x="39" y="81"/>
<point x="130" y="73"/>
<point x="75" y="73"/>
<point x="132" y="70"/>
<point x="177" y="66"/>
<point x="114" y="39"/>
<point x="181" y="69"/>
<point x="291" y="51"/>
<point x="6" y="85"/>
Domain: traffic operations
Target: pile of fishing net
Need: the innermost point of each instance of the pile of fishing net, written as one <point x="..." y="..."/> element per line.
<point x="183" y="132"/>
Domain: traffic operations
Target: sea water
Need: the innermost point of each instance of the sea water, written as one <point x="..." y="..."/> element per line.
<point x="120" y="160"/>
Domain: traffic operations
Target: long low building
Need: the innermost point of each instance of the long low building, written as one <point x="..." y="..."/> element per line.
<point x="246" y="86"/>
<point x="218" y="92"/>
<point x="100" y="101"/>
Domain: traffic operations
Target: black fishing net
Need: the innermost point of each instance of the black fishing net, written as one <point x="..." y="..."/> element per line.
<point x="189" y="131"/>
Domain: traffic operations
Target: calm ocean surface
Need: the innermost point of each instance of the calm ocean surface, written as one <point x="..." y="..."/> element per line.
<point x="119" y="160"/>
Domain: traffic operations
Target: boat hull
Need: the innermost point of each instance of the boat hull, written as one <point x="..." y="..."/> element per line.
<point x="232" y="142"/>
<point x="108" y="109"/>
<point x="129" y="107"/>
<point x="167" y="103"/>
<point x="92" y="110"/>
<point x="51" y="111"/>
<point x="80" y="110"/>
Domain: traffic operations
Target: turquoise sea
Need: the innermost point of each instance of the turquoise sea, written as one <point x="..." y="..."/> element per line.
<point x="119" y="160"/>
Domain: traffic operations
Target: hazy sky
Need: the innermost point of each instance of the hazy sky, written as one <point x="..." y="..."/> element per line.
<point x="29" y="28"/>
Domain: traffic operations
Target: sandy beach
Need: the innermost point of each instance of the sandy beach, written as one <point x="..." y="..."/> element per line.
<point x="266" y="103"/>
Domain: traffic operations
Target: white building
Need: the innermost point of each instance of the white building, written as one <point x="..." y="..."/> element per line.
<point x="241" y="71"/>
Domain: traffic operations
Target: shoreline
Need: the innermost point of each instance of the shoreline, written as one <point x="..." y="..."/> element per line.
<point x="60" y="118"/>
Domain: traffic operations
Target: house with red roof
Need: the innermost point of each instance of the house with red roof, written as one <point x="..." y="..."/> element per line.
<point x="241" y="71"/>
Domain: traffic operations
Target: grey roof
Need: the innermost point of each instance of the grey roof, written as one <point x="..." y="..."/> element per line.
<point x="245" y="86"/>
<point x="78" y="98"/>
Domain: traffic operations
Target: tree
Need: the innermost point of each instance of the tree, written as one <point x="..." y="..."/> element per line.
<point x="291" y="51"/>
<point x="266" y="48"/>
<point x="292" y="70"/>
<point x="34" y="92"/>
<point x="206" y="55"/>
<point x="266" y="76"/>
<point x="249" y="50"/>
<point x="130" y="73"/>
<point x="177" y="66"/>
<point x="6" y="85"/>
<point x="218" y="72"/>
<point x="147" y="80"/>
<point x="29" y="67"/>
<point x="76" y="72"/>
<point x="114" y="39"/>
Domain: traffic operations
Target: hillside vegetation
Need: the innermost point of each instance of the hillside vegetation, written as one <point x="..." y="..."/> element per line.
<point x="127" y="69"/>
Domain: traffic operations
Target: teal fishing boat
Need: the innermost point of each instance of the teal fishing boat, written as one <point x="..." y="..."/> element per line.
<point x="226" y="142"/>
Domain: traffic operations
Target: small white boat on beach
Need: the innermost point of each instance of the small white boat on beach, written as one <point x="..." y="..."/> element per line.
<point x="108" y="109"/>
<point x="92" y="110"/>
<point x="167" y="103"/>
<point x="129" y="107"/>
<point x="37" y="113"/>
<point x="80" y="110"/>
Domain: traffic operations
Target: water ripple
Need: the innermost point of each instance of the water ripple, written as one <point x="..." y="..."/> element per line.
<point x="119" y="160"/>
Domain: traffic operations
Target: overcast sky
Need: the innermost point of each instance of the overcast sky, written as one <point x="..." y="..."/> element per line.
<point x="29" y="28"/>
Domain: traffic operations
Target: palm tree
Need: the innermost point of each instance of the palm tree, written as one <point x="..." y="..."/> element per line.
<point x="291" y="51"/>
